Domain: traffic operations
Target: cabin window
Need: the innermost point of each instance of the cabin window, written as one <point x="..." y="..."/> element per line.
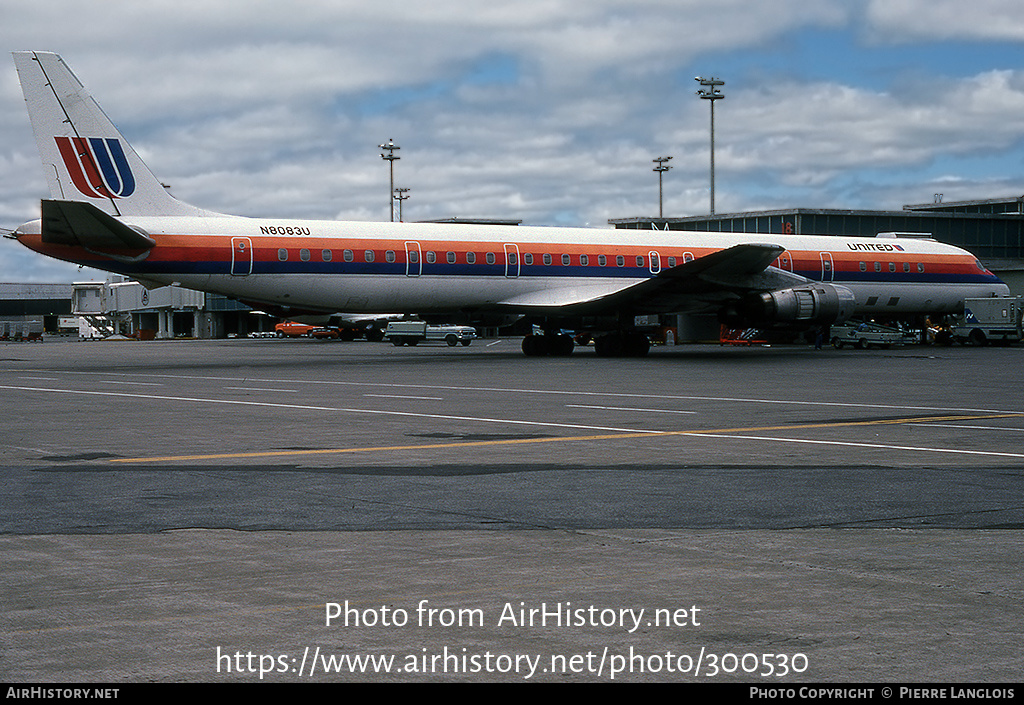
<point x="470" y="258"/>
<point x="282" y="254"/>
<point x="450" y="257"/>
<point x="431" y="258"/>
<point x="892" y="266"/>
<point x="906" y="266"/>
<point x="585" y="260"/>
<point x="671" y="262"/>
<point x="414" y="256"/>
<point x="304" y="254"/>
<point x="602" y="261"/>
<point x="348" y="255"/>
<point x="920" y="268"/>
<point x="368" y="255"/>
<point x="326" y="255"/>
<point x="878" y="266"/>
<point x="620" y="261"/>
<point x="512" y="259"/>
<point x="639" y="261"/>
<point x="687" y="257"/>
<point x="528" y="258"/>
<point x="566" y="260"/>
<point x="389" y="256"/>
<point x="547" y="258"/>
<point x="490" y="258"/>
<point x="863" y="266"/>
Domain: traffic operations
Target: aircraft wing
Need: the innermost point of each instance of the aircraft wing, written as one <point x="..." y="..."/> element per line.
<point x="724" y="274"/>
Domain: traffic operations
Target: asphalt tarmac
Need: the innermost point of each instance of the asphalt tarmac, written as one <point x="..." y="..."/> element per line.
<point x="296" y="510"/>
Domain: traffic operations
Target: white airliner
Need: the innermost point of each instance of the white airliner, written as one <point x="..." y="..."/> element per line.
<point x="107" y="210"/>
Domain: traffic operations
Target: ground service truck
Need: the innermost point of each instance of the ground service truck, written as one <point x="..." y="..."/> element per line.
<point x="990" y="320"/>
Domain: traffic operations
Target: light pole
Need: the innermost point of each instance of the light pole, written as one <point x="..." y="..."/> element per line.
<point x="710" y="92"/>
<point x="661" y="169"/>
<point x="400" y="195"/>
<point x="390" y="148"/>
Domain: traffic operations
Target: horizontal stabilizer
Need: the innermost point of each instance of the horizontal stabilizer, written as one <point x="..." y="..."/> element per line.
<point x="77" y="223"/>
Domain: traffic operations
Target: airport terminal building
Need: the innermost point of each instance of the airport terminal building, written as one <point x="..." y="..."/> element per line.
<point x="992" y="229"/>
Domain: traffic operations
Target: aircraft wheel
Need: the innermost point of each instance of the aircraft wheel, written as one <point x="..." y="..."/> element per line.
<point x="561" y="346"/>
<point x="534" y="346"/>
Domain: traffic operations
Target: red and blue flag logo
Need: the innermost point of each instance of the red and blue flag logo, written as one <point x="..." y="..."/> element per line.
<point x="98" y="166"/>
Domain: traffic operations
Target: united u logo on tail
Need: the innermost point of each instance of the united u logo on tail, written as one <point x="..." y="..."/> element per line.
<point x="97" y="166"/>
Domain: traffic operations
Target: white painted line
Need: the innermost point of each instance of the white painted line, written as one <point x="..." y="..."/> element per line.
<point x="262" y="389"/>
<point x="881" y="446"/>
<point x="379" y="412"/>
<point x="627" y="408"/>
<point x="42" y="379"/>
<point x="579" y="393"/>
<point x="979" y="428"/>
<point x="133" y="384"/>
<point x="402" y="396"/>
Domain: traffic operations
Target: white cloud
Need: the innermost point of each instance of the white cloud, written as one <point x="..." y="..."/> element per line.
<point x="905" y="20"/>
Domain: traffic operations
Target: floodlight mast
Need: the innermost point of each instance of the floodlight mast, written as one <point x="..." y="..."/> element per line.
<point x="710" y="92"/>
<point x="390" y="147"/>
<point x="401" y="194"/>
<point x="661" y="169"/>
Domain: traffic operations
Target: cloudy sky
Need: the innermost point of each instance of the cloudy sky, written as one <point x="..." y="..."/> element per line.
<point x="548" y="111"/>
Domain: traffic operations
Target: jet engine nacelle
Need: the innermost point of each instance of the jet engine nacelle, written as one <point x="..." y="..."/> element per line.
<point x="817" y="304"/>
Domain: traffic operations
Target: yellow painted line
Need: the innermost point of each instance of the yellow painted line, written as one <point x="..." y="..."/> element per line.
<point x="560" y="439"/>
<point x="378" y="449"/>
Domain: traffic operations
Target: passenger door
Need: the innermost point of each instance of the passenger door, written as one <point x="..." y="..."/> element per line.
<point x="241" y="256"/>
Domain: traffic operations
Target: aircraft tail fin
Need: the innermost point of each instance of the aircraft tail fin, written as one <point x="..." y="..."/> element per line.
<point x="84" y="156"/>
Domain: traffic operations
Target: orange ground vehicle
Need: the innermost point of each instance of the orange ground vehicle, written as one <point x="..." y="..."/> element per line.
<point x="291" y="329"/>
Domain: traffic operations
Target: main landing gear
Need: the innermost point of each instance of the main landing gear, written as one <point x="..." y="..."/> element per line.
<point x="553" y="344"/>
<point x="614" y="344"/>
